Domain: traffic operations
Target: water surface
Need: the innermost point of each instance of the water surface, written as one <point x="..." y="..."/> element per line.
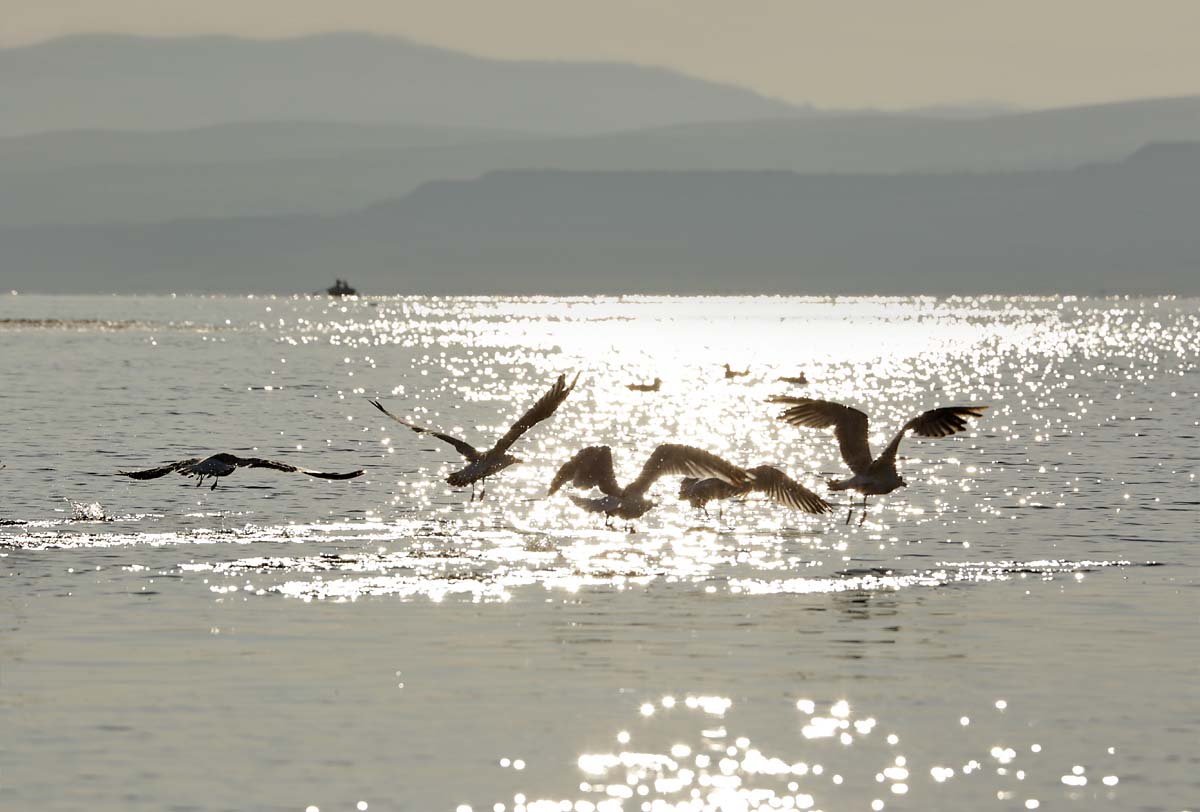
<point x="1014" y="630"/>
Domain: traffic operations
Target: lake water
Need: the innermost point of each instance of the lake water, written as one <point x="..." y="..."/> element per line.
<point x="1017" y="629"/>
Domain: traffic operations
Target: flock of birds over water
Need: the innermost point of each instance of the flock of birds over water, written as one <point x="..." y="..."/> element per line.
<point x="704" y="476"/>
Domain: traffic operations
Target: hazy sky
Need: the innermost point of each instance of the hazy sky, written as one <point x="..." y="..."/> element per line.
<point x="834" y="53"/>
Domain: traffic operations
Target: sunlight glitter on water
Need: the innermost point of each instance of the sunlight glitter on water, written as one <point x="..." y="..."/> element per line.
<point x="522" y="608"/>
<point x="840" y="761"/>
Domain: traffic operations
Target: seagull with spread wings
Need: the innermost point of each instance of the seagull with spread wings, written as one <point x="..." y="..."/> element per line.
<point x="593" y="467"/>
<point x="219" y="465"/>
<point x="873" y="476"/>
<point x="777" y="485"/>
<point x="483" y="464"/>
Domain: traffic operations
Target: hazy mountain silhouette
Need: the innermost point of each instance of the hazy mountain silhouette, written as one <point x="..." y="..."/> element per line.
<point x="1125" y="227"/>
<point x="295" y="167"/>
<point x="124" y="82"/>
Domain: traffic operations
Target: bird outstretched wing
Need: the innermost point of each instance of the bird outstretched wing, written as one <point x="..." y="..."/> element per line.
<point x="670" y="459"/>
<point x="849" y="426"/>
<point x="786" y="491"/>
<point x="934" y="423"/>
<point x="544" y="408"/>
<point x="162" y="470"/>
<point x="591" y="467"/>
<point x="258" y="462"/>
<point x="701" y="491"/>
<point x="461" y="446"/>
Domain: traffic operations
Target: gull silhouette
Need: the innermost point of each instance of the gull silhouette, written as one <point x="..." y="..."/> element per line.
<point x="593" y="467"/>
<point x="777" y="485"/>
<point x="219" y="465"/>
<point x="873" y="476"/>
<point x="483" y="464"/>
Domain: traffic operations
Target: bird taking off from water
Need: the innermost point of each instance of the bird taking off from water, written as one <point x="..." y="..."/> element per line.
<point x="219" y="465"/>
<point x="593" y="467"/>
<point x="730" y="372"/>
<point x="645" y="387"/>
<point x="767" y="480"/>
<point x="873" y="476"/>
<point x="483" y="464"/>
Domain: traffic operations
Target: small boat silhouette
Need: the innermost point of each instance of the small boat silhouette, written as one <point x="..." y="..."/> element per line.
<point x="341" y="288"/>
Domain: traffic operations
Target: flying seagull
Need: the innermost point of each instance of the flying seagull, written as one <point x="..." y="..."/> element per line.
<point x="645" y="387"/>
<point x="774" y="483"/>
<point x="219" y="465"/>
<point x="593" y="467"/>
<point x="873" y="476"/>
<point x="483" y="464"/>
<point x="733" y="373"/>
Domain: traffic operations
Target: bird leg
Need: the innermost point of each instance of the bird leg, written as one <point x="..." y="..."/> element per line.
<point x="472" y="499"/>
<point x="482" y="489"/>
<point x="864" y="515"/>
<point x="214" y="485"/>
<point x="629" y="528"/>
<point x="850" y="513"/>
<point x="607" y="522"/>
<point x="199" y="481"/>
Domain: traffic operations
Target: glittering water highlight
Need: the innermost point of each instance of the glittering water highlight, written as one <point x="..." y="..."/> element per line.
<point x="385" y="642"/>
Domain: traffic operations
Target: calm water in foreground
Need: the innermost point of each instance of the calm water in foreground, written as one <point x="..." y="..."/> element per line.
<point x="1015" y="630"/>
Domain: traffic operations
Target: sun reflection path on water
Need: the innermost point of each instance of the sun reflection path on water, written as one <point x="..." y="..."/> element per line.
<point x="493" y="565"/>
<point x="1039" y="362"/>
<point x="841" y="760"/>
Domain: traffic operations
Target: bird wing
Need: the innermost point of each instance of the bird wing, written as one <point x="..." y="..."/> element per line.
<point x="787" y="491"/>
<point x="670" y="459"/>
<point x="258" y="462"/>
<point x="849" y="426"/>
<point x="162" y="470"/>
<point x="591" y="467"/>
<point x="461" y="446"/>
<point x="541" y="410"/>
<point x="705" y="490"/>
<point x="934" y="423"/>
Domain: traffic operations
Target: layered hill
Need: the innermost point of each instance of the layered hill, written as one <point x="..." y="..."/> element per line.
<point x="135" y="83"/>
<point x="326" y="167"/>
<point x="1122" y="227"/>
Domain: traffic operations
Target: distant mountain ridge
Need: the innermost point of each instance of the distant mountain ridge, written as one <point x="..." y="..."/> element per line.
<point x="104" y="81"/>
<point x="326" y="167"/>
<point x="1116" y="228"/>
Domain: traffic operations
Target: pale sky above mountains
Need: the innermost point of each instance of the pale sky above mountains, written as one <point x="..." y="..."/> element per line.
<point x="843" y="54"/>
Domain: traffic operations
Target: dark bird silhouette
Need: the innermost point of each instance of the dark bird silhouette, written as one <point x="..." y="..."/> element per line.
<point x="593" y="467"/>
<point x="219" y="465"/>
<point x="645" y="387"/>
<point x="873" y="476"/>
<point x="798" y="380"/>
<point x="483" y="464"/>
<point x="768" y="480"/>
<point x="733" y="373"/>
